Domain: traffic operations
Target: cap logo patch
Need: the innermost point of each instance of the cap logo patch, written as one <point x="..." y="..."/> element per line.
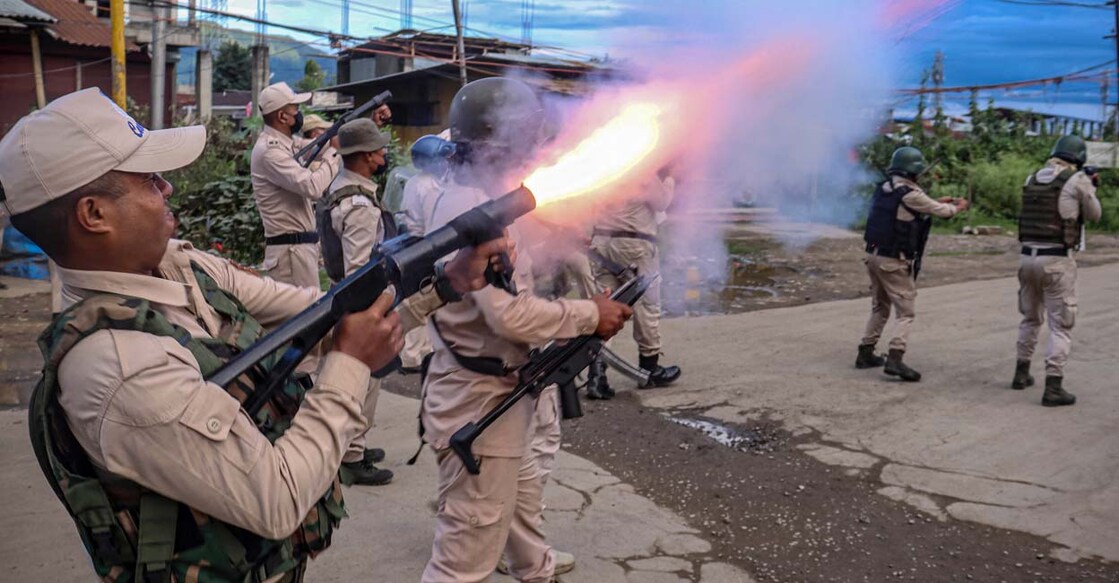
<point x="136" y="128"/>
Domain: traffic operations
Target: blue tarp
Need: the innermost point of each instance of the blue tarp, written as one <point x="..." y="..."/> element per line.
<point x="22" y="258"/>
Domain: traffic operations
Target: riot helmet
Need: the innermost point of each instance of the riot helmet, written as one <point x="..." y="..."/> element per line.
<point x="1071" y="149"/>
<point x="432" y="154"/>
<point x="496" y="121"/>
<point x="908" y="162"/>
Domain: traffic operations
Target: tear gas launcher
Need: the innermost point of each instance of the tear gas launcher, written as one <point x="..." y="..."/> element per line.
<point x="407" y="263"/>
<point x="312" y="150"/>
<point x="556" y="364"/>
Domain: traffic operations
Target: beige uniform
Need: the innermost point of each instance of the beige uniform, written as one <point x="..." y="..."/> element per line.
<point x="357" y="221"/>
<point x="417" y="207"/>
<point x="285" y="192"/>
<point x="476" y="513"/>
<point x="638" y="214"/>
<point x="891" y="279"/>
<point x="139" y="407"/>
<point x="418" y="202"/>
<point x="1047" y="284"/>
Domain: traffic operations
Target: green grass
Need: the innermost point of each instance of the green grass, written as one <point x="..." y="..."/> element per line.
<point x="974" y="218"/>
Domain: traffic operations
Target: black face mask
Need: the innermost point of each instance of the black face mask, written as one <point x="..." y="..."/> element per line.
<point x="298" y="125"/>
<point x="384" y="167"/>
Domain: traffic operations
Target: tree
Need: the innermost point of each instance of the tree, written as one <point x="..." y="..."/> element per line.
<point x="233" y="67"/>
<point x="313" y="77"/>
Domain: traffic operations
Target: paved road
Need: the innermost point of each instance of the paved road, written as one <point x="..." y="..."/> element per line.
<point x="617" y="535"/>
<point x="960" y="443"/>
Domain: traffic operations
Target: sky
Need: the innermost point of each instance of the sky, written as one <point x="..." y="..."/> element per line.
<point x="984" y="41"/>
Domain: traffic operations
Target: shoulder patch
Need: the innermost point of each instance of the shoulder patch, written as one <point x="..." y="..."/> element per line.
<point x="361" y="200"/>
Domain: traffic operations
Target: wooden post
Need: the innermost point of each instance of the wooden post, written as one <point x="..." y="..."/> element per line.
<point x="461" y="50"/>
<point x="78" y="76"/>
<point x="116" y="18"/>
<point x="37" y="67"/>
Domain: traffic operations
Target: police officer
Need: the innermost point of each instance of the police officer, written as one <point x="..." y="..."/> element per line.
<point x="478" y="342"/>
<point x="432" y="157"/>
<point x="896" y="232"/>
<point x="285" y="191"/>
<point x="164" y="474"/>
<point x="351" y="225"/>
<point x="1056" y="202"/>
<point x="627" y="235"/>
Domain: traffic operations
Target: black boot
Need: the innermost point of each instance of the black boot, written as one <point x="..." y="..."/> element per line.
<point x="598" y="386"/>
<point x="895" y="367"/>
<point x="1055" y="395"/>
<point x="1022" y="376"/>
<point x="867" y="358"/>
<point x="659" y="376"/>
<point x="363" y="473"/>
<point x="373" y="454"/>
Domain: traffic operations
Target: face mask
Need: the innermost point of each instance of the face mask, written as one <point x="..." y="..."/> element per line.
<point x="384" y="167"/>
<point x="298" y="125"/>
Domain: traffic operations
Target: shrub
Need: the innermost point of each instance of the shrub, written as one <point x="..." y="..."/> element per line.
<point x="222" y="216"/>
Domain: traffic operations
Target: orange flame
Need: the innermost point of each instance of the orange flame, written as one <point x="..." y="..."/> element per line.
<point x="602" y="158"/>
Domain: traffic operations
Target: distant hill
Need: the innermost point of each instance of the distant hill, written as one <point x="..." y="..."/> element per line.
<point x="287" y="56"/>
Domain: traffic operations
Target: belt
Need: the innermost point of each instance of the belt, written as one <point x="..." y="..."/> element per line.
<point x="305" y="238"/>
<point x="625" y="235"/>
<point x="1048" y="252"/>
<point x="884" y="253"/>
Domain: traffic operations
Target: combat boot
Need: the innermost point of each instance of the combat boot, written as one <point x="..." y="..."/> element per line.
<point x="373" y="454"/>
<point x="363" y="473"/>
<point x="1055" y="395"/>
<point x="1022" y="376"/>
<point x="867" y="358"/>
<point x="598" y="386"/>
<point x="659" y="376"/>
<point x="895" y="367"/>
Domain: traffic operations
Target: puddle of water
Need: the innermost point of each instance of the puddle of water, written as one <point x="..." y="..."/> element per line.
<point x="722" y="434"/>
<point x="743" y="282"/>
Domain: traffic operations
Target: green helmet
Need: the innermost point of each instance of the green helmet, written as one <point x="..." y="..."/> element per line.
<point x="908" y="160"/>
<point x="1071" y="149"/>
<point x="497" y="113"/>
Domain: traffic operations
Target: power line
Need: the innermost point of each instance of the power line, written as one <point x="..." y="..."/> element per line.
<point x="1086" y="74"/>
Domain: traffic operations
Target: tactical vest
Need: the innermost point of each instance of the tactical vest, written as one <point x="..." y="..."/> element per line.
<point x="132" y="533"/>
<point x="887" y="234"/>
<point x="328" y="238"/>
<point x="1040" y="220"/>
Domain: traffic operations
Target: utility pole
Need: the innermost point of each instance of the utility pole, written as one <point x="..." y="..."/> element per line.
<point x="159" y="65"/>
<point x="116" y="19"/>
<point x="1116" y="37"/>
<point x="260" y="55"/>
<point x="461" y="45"/>
<point x="37" y="68"/>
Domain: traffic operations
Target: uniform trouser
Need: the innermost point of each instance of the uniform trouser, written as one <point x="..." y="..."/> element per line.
<point x="546" y="431"/>
<point x="891" y="284"/>
<point x="647" y="312"/>
<point x="294" y="264"/>
<point x="1047" y="287"/>
<point x="417" y="345"/>
<point x="478" y="513"/>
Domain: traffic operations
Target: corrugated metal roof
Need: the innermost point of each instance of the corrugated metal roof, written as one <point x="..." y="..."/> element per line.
<point x="76" y="23"/>
<point x="20" y="10"/>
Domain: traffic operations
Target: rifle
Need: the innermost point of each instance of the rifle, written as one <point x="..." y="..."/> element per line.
<point x="556" y="364"/>
<point x="308" y="153"/>
<point x="407" y="263"/>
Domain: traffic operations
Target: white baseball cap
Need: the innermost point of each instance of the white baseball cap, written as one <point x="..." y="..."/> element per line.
<point x="278" y="95"/>
<point x="79" y="138"/>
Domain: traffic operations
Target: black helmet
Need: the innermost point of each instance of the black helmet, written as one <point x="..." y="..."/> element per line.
<point x="1071" y="149"/>
<point x="497" y="114"/>
<point x="908" y="161"/>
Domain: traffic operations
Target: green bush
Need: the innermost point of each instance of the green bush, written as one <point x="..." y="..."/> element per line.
<point x="996" y="187"/>
<point x="222" y="216"/>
